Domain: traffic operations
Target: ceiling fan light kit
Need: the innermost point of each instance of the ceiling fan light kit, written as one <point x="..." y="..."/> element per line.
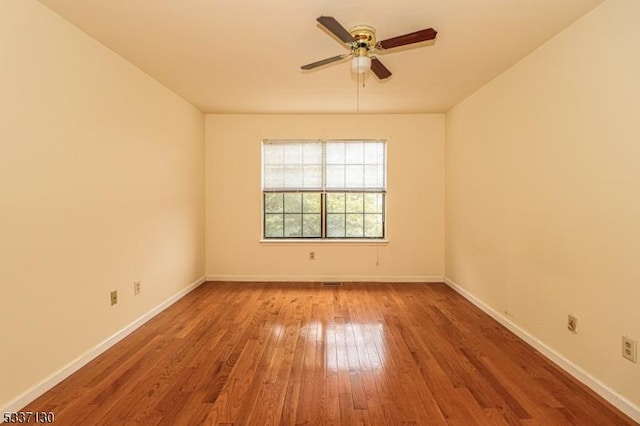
<point x="360" y="64"/>
<point x="361" y="41"/>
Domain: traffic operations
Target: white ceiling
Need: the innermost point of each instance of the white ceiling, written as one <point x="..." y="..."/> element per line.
<point x="244" y="56"/>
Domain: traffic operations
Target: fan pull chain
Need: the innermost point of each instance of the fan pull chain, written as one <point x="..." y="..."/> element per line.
<point x="357" y="92"/>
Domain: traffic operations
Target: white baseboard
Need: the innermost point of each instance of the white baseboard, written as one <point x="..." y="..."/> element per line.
<point x="322" y="278"/>
<point x="49" y="382"/>
<point x="617" y="400"/>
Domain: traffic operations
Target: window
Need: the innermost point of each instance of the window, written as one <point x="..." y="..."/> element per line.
<point x="323" y="189"/>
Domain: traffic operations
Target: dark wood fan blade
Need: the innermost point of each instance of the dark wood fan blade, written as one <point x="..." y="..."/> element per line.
<point x="379" y="70"/>
<point x="416" y="37"/>
<point x="330" y="23"/>
<point x="323" y="62"/>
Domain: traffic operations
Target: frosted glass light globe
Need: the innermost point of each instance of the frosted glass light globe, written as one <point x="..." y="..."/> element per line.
<point x="360" y="64"/>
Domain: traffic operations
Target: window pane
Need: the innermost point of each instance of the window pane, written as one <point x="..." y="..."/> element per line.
<point x="292" y="165"/>
<point x="355" y="225"/>
<point x="293" y="225"/>
<point x="335" y="152"/>
<point x="312" y="176"/>
<point x="373" y="225"/>
<point x="335" y="177"/>
<point x="374" y="153"/>
<point x="312" y="153"/>
<point x="311" y="225"/>
<point x="293" y="153"/>
<point x="335" y="203"/>
<point x="273" y="153"/>
<point x="293" y="203"/>
<point x="335" y="225"/>
<point x="354" y="153"/>
<point x="311" y="203"/>
<point x="355" y="165"/>
<point x="293" y="176"/>
<point x="354" y="177"/>
<point x="374" y="176"/>
<point x="373" y="203"/>
<point x="273" y="203"/>
<point x="273" y="225"/>
<point x="273" y="176"/>
<point x="355" y="203"/>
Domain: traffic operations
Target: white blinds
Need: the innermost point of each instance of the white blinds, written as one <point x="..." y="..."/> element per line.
<point x="346" y="165"/>
<point x="292" y="165"/>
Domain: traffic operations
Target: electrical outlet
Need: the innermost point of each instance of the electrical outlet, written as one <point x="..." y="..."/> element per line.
<point x="114" y="297"/>
<point x="572" y="323"/>
<point x="137" y="286"/>
<point x="629" y="349"/>
<point x="312" y="255"/>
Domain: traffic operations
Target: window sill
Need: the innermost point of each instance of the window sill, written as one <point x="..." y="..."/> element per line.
<point x="354" y="241"/>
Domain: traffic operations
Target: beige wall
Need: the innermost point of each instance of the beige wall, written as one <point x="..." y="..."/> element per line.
<point x="543" y="193"/>
<point x="415" y="200"/>
<point x="101" y="184"/>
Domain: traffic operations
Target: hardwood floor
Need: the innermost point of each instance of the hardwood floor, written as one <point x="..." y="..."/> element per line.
<point x="302" y="353"/>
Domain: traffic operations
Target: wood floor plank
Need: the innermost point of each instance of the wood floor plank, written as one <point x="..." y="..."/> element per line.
<point x="302" y="353"/>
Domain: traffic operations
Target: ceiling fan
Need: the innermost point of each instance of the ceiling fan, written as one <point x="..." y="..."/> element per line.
<point x="361" y="41"/>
